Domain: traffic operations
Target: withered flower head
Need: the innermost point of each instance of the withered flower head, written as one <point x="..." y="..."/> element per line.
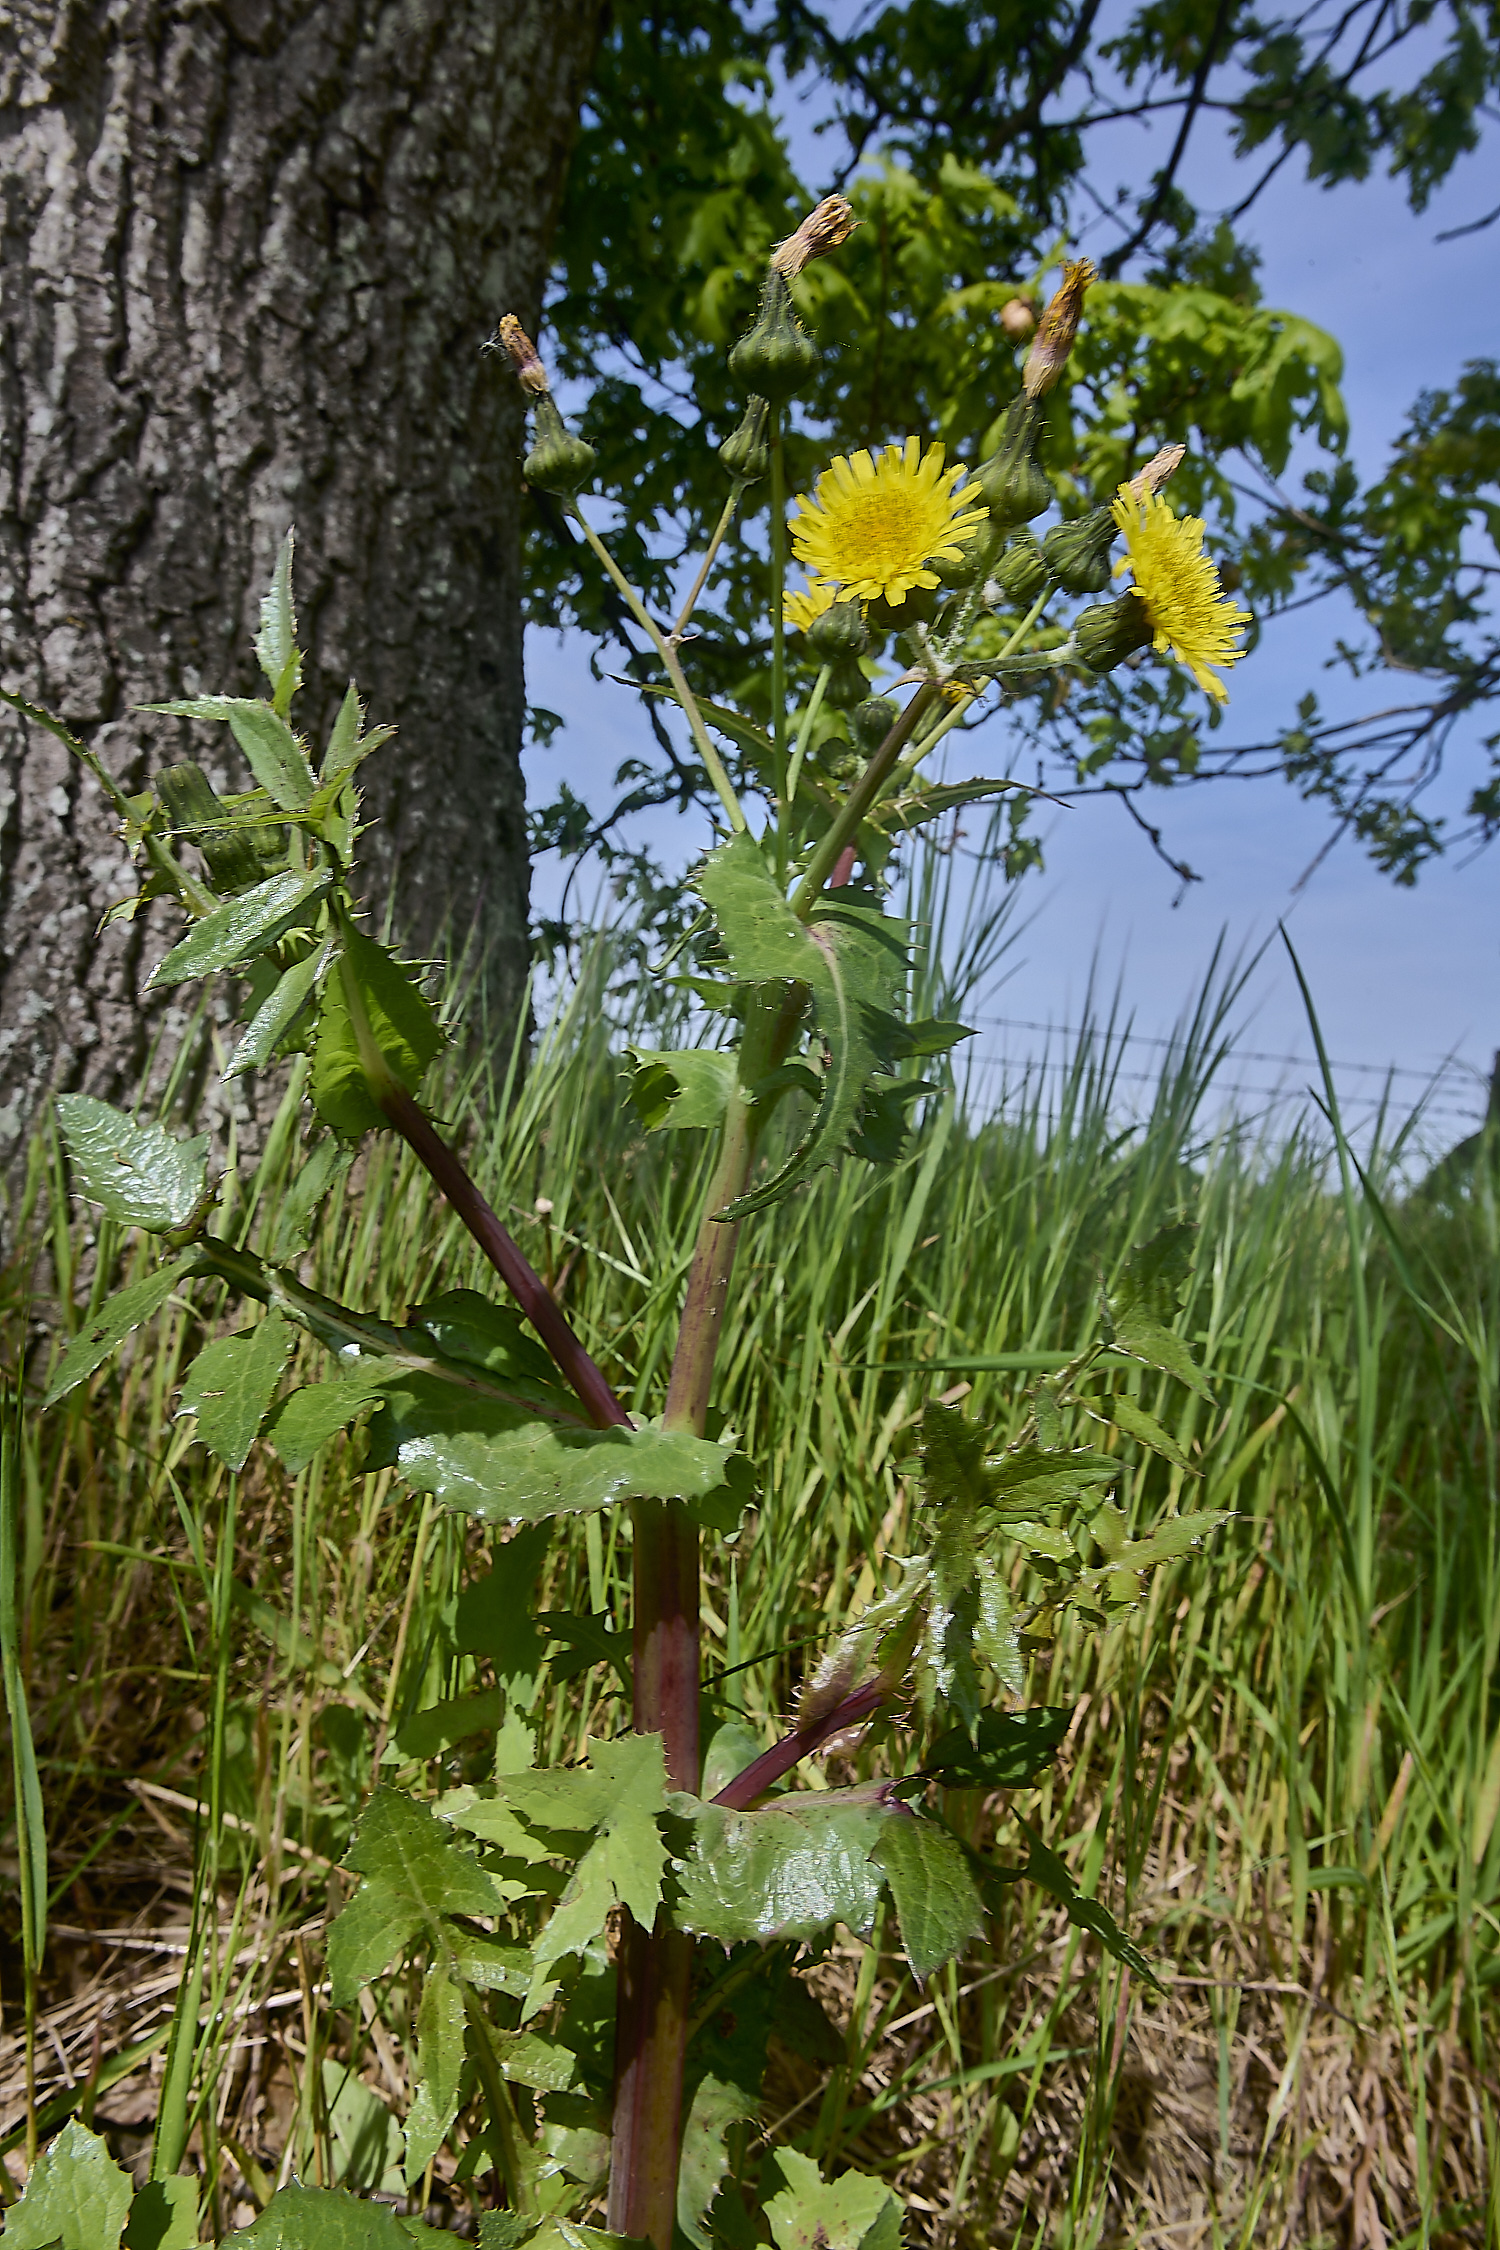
<point x="1048" y="356"/>
<point x="824" y="229"/>
<point x="1157" y="470"/>
<point x="524" y="356"/>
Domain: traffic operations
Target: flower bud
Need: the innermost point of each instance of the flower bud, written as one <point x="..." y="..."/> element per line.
<point x="1021" y="573"/>
<point x="1111" y="631"/>
<point x="747" y="455"/>
<point x="872" y="721"/>
<point x="776" y="358"/>
<point x="1018" y="319"/>
<point x="824" y="229"/>
<point x="839" y="632"/>
<point x="1077" y="554"/>
<point x="974" y="562"/>
<point x="1048" y="356"/>
<point x="1013" y="481"/>
<point x="558" y="461"/>
<point x="847" y="685"/>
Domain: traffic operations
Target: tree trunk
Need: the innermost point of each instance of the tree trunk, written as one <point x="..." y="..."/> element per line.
<point x="251" y="251"/>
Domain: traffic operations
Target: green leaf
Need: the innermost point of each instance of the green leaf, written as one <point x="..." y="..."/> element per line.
<point x="164" y="2215"/>
<point x="237" y="931"/>
<point x="307" y="2218"/>
<point x="426" y="1733"/>
<point x="1008" y="1751"/>
<point x="276" y="647"/>
<point x="527" y="2060"/>
<point x="685" y="1089"/>
<point x="1145" y="1303"/>
<point x="348" y="744"/>
<point x="405" y="1030"/>
<point x="275" y="1016"/>
<point x="995" y="1634"/>
<point x="1043" y="1476"/>
<point x="494" y="1615"/>
<point x="77" y="2195"/>
<point x="414" y="1874"/>
<point x="116" y="1317"/>
<point x="853" y="959"/>
<point x="615" y="1797"/>
<point x="1172" y="1537"/>
<point x="716" y="2106"/>
<point x="307" y="1418"/>
<point x="937" y="1901"/>
<point x="435" y="2074"/>
<point x="849" y="2213"/>
<point x="787" y="1871"/>
<point x="1044" y="1867"/>
<point x="231" y="1384"/>
<point x="504" y="1466"/>
<point x="275" y="756"/>
<point x="138" y="1173"/>
<point x="584" y="1642"/>
<point x="1134" y="1420"/>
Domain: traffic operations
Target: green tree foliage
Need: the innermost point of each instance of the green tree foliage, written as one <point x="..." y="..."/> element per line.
<point x="966" y="136"/>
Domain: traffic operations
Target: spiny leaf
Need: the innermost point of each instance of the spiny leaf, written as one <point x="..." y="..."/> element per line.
<point x="616" y="1798"/>
<point x="308" y="2218"/>
<point x="1133" y="1419"/>
<point x="77" y="2196"/>
<point x="1008" y="1750"/>
<point x="686" y="1090"/>
<point x="1044" y="1867"/>
<point x="414" y="1874"/>
<point x="849" y="2213"/>
<point x="716" y="2106"/>
<point x="274" y="1018"/>
<point x="494" y="1616"/>
<point x="273" y="753"/>
<point x="164" y="2215"/>
<point x="276" y="647"/>
<point x="937" y="1902"/>
<point x="435" y="2075"/>
<point x="788" y="1871"/>
<point x="426" y="1733"/>
<point x="137" y="1172"/>
<point x="503" y="1466"/>
<point x="231" y="1384"/>
<point x="348" y="744"/>
<point x="404" y="1027"/>
<point x="1145" y="1302"/>
<point x="242" y="928"/>
<point x="116" y="1317"/>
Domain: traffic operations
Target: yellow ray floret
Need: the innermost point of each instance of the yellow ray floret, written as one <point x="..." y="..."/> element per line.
<point x="875" y="522"/>
<point x="1191" y="615"/>
<point x="799" y="610"/>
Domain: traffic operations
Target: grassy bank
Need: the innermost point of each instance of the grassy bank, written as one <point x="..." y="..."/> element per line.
<point x="1283" y="1772"/>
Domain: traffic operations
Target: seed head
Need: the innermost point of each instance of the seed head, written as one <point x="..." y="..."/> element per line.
<point x="1048" y="356"/>
<point x="824" y="229"/>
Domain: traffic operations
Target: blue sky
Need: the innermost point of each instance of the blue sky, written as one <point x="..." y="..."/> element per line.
<point x="1401" y="978"/>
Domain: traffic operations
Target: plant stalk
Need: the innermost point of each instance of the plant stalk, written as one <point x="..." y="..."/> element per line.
<point x="861" y="797"/>
<point x="656" y="1965"/>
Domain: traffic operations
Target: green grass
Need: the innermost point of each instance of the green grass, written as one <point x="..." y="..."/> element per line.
<point x="1285" y="1769"/>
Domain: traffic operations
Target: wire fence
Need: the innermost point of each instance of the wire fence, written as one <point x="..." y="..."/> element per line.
<point x="1452" y="1095"/>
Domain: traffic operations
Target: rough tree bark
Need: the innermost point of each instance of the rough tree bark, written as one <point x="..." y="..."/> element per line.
<point x="250" y="251"/>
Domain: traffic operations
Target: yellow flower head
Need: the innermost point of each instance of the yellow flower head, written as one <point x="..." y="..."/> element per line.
<point x="1190" y="613"/>
<point x="875" y="522"/>
<point x="799" y="610"/>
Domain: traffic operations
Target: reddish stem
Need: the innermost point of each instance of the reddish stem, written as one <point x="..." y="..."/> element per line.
<point x="739" y="1794"/>
<point x="520" y="1277"/>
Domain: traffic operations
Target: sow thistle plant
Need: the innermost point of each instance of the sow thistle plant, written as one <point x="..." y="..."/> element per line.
<point x="575" y="1931"/>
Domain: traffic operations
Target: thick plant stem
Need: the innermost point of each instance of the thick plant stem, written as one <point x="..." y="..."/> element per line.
<point x="802" y="1742"/>
<point x="656" y="1966"/>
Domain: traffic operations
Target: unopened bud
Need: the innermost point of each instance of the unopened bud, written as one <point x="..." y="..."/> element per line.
<point x="1157" y="470"/>
<point x="1077" y="553"/>
<point x="1111" y="631"/>
<point x="824" y="229"/>
<point x="1012" y="480"/>
<point x="847" y="685"/>
<point x="524" y="355"/>
<point x="872" y="721"/>
<point x="747" y="455"/>
<point x="1048" y="356"/>
<point x="1018" y="319"/>
<point x="558" y="461"/>
<point x="777" y="358"/>
<point x="839" y="632"/>
<point x="1021" y="573"/>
